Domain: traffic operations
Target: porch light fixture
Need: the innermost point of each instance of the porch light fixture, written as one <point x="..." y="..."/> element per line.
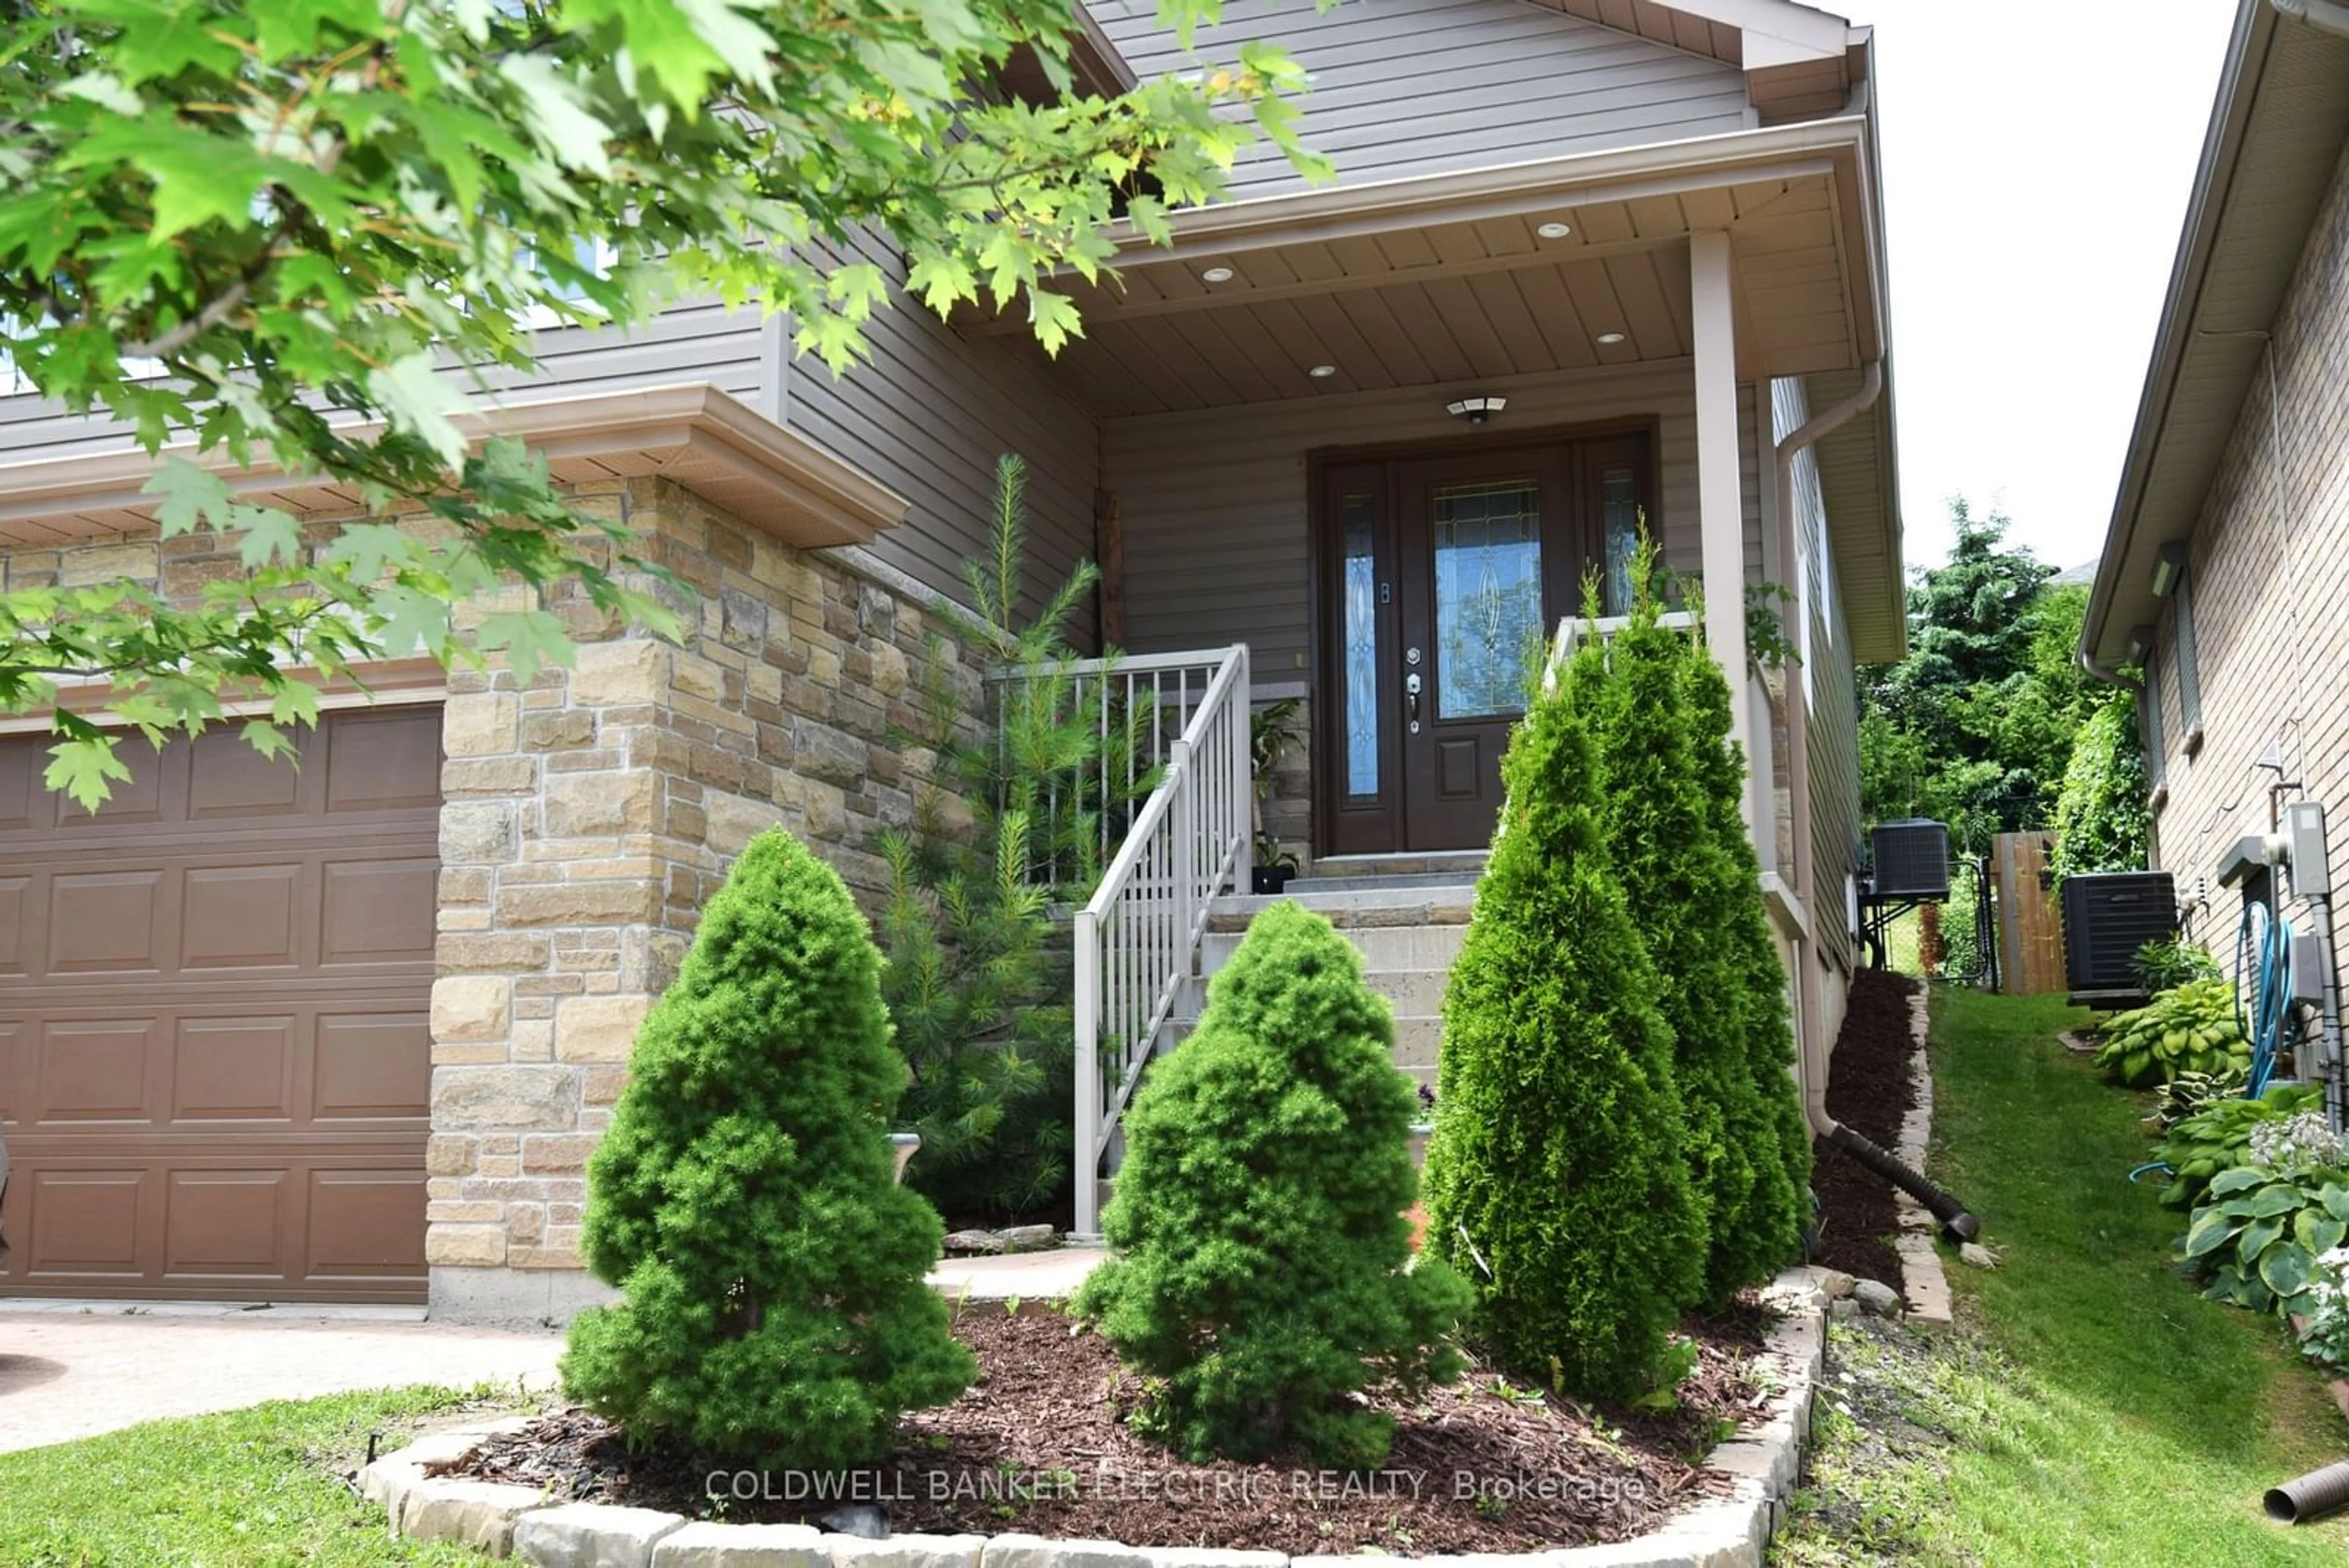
<point x="1476" y="407"/>
<point x="1555" y="230"/>
<point x="2167" y="567"/>
<point x="1322" y="372"/>
<point x="2141" y="643"/>
<point x="1216" y="274"/>
<point x="1609" y="339"/>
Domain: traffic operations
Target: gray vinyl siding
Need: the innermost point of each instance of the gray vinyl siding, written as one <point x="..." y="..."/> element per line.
<point x="1833" y="687"/>
<point x="1214" y="503"/>
<point x="1407" y="88"/>
<point x="927" y="415"/>
<point x="687" y="345"/>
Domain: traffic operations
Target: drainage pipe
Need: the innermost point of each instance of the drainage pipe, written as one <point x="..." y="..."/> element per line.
<point x="1810" y="1025"/>
<point x="2312" y="1496"/>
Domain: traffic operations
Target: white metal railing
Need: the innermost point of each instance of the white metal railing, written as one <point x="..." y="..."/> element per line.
<point x="1140" y="704"/>
<point x="1573" y="628"/>
<point x="1137" y="941"/>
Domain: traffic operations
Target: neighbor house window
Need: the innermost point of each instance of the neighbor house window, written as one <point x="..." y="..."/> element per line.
<point x="2189" y="677"/>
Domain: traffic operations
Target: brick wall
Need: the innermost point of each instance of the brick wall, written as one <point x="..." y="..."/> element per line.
<point x="2266" y="569"/>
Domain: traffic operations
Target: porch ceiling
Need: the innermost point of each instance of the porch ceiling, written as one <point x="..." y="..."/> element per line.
<point x="1434" y="301"/>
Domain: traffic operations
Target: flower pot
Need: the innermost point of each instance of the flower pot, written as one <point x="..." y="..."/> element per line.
<point x="907" y="1145"/>
<point x="1420" y="1133"/>
<point x="1269" y="881"/>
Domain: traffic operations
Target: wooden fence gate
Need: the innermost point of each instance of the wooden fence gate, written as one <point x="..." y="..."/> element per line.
<point x="2030" y="916"/>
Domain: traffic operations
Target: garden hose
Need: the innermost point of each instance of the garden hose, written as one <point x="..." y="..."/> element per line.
<point x="2264" y="940"/>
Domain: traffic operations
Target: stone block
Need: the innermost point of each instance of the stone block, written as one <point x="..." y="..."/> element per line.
<point x="450" y="1154"/>
<point x="480" y="725"/>
<point x="1211" y="1557"/>
<point x="495" y="952"/>
<point x="706" y="1546"/>
<point x="906" y="1551"/>
<point x="557" y="1151"/>
<point x="592" y="1535"/>
<point x="592" y="903"/>
<point x="1016" y="1551"/>
<point x="472" y="1008"/>
<point x="477" y="832"/>
<point x="598" y="1028"/>
<point x="732" y="821"/>
<point x="540" y="1098"/>
<point x="822" y="751"/>
<point x="630" y="672"/>
<point x="600" y="806"/>
<point x="566" y="730"/>
<point x="472" y="1246"/>
<point x="478" y="1514"/>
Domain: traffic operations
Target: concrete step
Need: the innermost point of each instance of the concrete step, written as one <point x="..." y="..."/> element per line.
<point x="1461" y="866"/>
<point x="1384" y="948"/>
<point x="1347" y="907"/>
<point x="1408" y="882"/>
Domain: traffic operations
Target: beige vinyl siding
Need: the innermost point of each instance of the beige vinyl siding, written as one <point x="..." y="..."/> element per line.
<point x="927" y="415"/>
<point x="1215" y="502"/>
<point x="1407" y="88"/>
<point x="1830" y="685"/>
<point x="2268" y="555"/>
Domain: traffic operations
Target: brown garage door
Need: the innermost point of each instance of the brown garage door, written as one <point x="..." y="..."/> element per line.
<point x="214" y="1050"/>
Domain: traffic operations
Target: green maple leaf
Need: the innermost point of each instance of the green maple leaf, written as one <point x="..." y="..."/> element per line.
<point x="85" y="769"/>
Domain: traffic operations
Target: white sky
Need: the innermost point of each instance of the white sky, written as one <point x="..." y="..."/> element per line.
<point x="2037" y="157"/>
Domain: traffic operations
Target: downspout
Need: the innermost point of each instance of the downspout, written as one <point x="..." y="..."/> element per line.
<point x="1810" y="1027"/>
<point x="2324" y="16"/>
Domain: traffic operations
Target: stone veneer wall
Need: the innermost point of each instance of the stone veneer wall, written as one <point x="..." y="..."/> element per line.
<point x="585" y="817"/>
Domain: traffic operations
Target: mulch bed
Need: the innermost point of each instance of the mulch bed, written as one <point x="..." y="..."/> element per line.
<point x="1869" y="1092"/>
<point x="1041" y="1443"/>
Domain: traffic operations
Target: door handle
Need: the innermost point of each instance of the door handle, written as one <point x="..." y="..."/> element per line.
<point x="1411" y="701"/>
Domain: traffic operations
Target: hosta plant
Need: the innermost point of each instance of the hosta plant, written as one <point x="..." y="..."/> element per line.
<point x="2326" y="1337"/>
<point x="2218" y="1137"/>
<point x="2189" y="1028"/>
<point x="2168" y="962"/>
<point x="2256" y="1242"/>
<point x="2188" y="1094"/>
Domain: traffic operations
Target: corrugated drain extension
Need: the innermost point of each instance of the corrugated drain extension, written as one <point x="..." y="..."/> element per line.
<point x="2312" y="1496"/>
<point x="1952" y="1214"/>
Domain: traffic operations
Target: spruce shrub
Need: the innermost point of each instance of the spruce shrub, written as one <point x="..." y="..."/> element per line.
<point x="1676" y="857"/>
<point x="1264" y="1266"/>
<point x="745" y="1202"/>
<point x="1555" y="1179"/>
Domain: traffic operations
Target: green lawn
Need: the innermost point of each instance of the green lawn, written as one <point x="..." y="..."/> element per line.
<point x="2091" y="1409"/>
<point x="253" y="1489"/>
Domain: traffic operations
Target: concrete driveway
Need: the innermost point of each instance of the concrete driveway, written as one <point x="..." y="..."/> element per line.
<point x="66" y="1373"/>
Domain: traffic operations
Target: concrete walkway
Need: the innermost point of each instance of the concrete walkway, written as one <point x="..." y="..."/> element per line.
<point x="65" y="1374"/>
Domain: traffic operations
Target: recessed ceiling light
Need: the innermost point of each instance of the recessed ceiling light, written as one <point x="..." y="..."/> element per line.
<point x="1217" y="275"/>
<point x="1322" y="372"/>
<point x="1611" y="338"/>
<point x="1555" y="230"/>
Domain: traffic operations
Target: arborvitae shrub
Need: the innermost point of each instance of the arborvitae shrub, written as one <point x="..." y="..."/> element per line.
<point x="1554" y="1178"/>
<point x="1758" y="1002"/>
<point x="1677" y="858"/>
<point x="745" y="1201"/>
<point x="1264" y="1266"/>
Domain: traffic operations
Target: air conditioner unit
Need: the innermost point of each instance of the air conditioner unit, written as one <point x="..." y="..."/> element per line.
<point x="2108" y="916"/>
<point x="1912" y="860"/>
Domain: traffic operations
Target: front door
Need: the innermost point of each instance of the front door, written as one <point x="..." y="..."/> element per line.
<point x="1442" y="575"/>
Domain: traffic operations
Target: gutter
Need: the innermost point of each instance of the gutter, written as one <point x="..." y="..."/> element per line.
<point x="2324" y="16"/>
<point x="1256" y="221"/>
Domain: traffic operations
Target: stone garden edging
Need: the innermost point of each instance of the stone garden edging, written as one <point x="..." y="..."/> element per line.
<point x="1759" y="1464"/>
<point x="1923" y="1281"/>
